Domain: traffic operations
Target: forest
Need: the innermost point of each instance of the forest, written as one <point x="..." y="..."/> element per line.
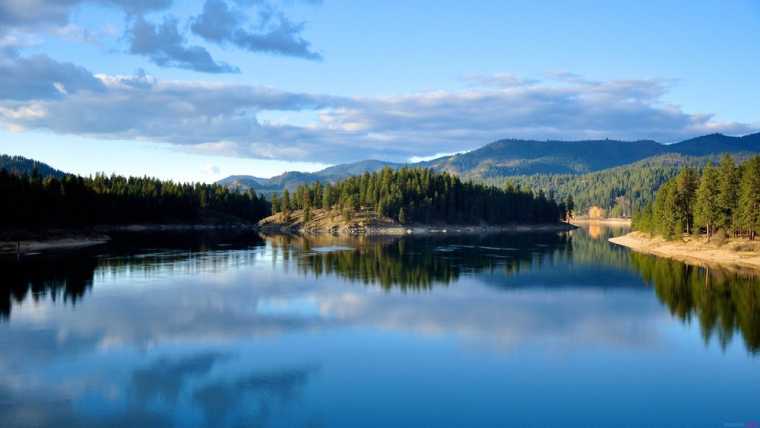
<point x="722" y="198"/>
<point x="32" y="201"/>
<point x="620" y="190"/>
<point x="416" y="195"/>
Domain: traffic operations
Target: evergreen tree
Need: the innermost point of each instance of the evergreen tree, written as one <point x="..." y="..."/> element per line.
<point x="402" y="216"/>
<point x="665" y="209"/>
<point x="748" y="215"/>
<point x="42" y="202"/>
<point x="307" y="214"/>
<point x="285" y="204"/>
<point x="715" y="202"/>
<point x="727" y="188"/>
<point x="686" y="184"/>
<point x="706" y="210"/>
<point x="428" y="197"/>
<point x="570" y="206"/>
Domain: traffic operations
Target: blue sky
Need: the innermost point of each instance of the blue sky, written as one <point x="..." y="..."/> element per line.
<point x="201" y="90"/>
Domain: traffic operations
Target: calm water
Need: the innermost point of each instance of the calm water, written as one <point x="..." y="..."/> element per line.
<point x="512" y="330"/>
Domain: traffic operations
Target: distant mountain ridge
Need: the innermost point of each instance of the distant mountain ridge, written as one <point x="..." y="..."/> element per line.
<point x="22" y="165"/>
<point x="292" y="179"/>
<point x="510" y="157"/>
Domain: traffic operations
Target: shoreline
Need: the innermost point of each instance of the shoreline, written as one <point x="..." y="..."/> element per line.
<point x="399" y="230"/>
<point x="34" y="246"/>
<point x="29" y="243"/>
<point x="617" y="221"/>
<point x="76" y="239"/>
<point x="734" y="253"/>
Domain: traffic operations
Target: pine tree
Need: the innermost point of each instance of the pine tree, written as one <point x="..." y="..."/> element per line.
<point x="665" y="211"/>
<point x="402" y="216"/>
<point x="748" y="214"/>
<point x="727" y="187"/>
<point x="285" y="203"/>
<point x="686" y="184"/>
<point x="707" y="212"/>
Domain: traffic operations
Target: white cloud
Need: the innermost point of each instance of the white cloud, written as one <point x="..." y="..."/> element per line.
<point x="236" y="120"/>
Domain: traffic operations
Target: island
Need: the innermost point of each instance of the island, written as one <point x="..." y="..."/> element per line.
<point x="707" y="217"/>
<point x="412" y="200"/>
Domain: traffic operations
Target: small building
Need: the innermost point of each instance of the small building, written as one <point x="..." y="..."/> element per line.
<point x="596" y="212"/>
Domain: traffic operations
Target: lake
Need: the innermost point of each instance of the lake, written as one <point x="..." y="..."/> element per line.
<point x="528" y="330"/>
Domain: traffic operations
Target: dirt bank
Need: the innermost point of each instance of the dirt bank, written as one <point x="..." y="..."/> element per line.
<point x="604" y="221"/>
<point x="696" y="250"/>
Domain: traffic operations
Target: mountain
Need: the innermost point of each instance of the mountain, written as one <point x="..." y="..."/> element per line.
<point x="292" y="179"/>
<point x="22" y="165"/>
<point x="717" y="143"/>
<point x="619" y="190"/>
<point x="356" y="168"/>
<point x="509" y="157"/>
<point x="522" y="157"/>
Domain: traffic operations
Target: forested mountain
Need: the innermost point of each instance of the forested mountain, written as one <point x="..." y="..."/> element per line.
<point x="620" y="190"/>
<point x="508" y="158"/>
<point x="522" y="157"/>
<point x="717" y="143"/>
<point x="417" y="195"/>
<point x="37" y="202"/>
<point x="22" y="165"/>
<point x="723" y="198"/>
<point x="292" y="179"/>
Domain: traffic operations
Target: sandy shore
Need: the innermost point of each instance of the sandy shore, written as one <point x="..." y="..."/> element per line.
<point x="604" y="221"/>
<point x="733" y="253"/>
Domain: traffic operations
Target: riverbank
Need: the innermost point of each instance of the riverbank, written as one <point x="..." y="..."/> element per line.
<point x="605" y="221"/>
<point x="35" y="245"/>
<point x="740" y="253"/>
<point x="21" y="242"/>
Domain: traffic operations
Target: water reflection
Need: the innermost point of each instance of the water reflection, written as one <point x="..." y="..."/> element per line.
<point x="418" y="263"/>
<point x="722" y="301"/>
<point x="290" y="331"/>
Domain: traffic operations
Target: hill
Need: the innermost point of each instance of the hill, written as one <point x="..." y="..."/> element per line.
<point x="507" y="158"/>
<point x="292" y="179"/>
<point x="21" y="165"/>
<point x="412" y="196"/>
<point x="522" y="157"/>
<point x="619" y="190"/>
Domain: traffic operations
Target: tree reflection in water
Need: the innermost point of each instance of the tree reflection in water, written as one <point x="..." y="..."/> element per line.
<point x="722" y="301"/>
<point x="418" y="263"/>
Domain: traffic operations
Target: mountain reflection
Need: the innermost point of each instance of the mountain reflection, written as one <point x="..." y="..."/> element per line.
<point x="722" y="301"/>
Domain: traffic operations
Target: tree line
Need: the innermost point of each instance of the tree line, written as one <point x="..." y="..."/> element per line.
<point x="620" y="190"/>
<point x="722" y="302"/>
<point x="417" y="195"/>
<point x="723" y="198"/>
<point x="34" y="201"/>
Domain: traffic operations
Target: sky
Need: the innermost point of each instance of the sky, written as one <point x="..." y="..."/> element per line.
<point x="199" y="90"/>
